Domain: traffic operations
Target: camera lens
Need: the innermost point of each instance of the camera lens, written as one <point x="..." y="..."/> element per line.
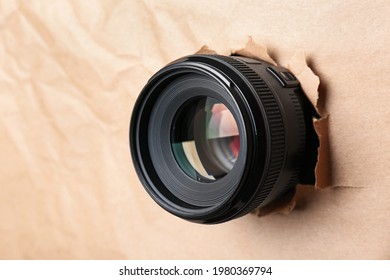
<point x="213" y="137"/>
<point x="205" y="139"/>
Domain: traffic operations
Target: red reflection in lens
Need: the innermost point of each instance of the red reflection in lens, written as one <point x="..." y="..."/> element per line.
<point x="235" y="145"/>
<point x="222" y="122"/>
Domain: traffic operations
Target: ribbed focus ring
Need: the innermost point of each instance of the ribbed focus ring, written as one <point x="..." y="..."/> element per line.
<point x="302" y="142"/>
<point x="276" y="128"/>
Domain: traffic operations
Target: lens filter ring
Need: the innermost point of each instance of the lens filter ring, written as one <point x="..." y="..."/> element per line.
<point x="193" y="190"/>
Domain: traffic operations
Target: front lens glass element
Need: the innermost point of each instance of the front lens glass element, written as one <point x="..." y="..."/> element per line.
<point x="205" y="139"/>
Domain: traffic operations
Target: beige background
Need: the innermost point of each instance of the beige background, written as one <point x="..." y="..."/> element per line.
<point x="70" y="72"/>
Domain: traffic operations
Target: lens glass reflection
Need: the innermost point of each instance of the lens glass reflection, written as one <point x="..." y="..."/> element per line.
<point x="205" y="139"/>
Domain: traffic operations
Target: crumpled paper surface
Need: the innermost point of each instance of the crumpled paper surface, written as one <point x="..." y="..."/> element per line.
<point x="70" y="73"/>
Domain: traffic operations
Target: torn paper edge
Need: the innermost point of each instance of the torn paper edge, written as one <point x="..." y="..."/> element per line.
<point x="310" y="84"/>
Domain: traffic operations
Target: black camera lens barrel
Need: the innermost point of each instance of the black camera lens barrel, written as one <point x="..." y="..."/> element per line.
<point x="213" y="137"/>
